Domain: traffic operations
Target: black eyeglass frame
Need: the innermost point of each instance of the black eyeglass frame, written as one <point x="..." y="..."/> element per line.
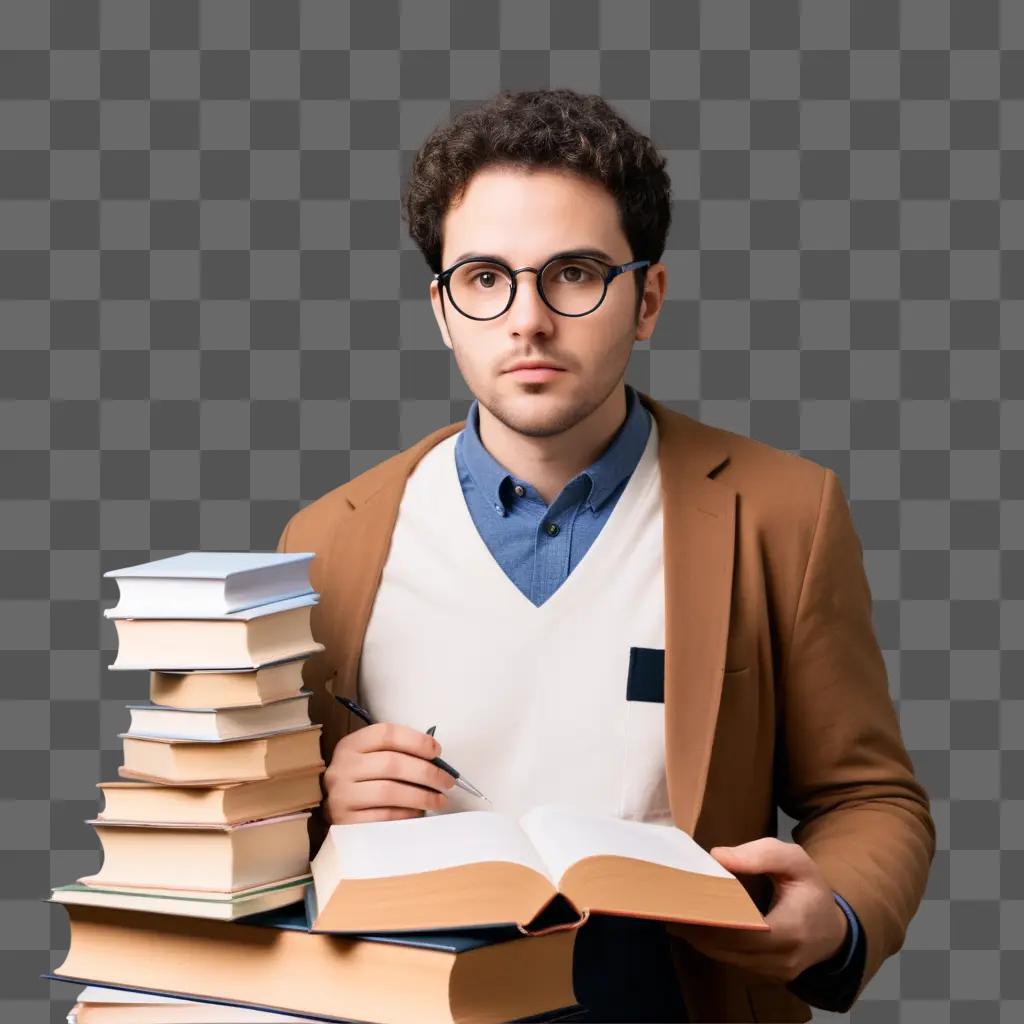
<point x="444" y="280"/>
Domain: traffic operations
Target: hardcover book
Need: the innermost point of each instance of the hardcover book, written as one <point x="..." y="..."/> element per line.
<point x="478" y="868"/>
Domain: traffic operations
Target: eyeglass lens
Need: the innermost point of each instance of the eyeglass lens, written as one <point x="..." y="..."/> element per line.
<point x="572" y="285"/>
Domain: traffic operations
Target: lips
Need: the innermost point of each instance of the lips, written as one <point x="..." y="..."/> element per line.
<point x="536" y="373"/>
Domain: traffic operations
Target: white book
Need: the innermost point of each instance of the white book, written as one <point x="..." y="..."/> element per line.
<point x="213" y="724"/>
<point x="127" y="1006"/>
<point x="184" y="902"/>
<point x="200" y="584"/>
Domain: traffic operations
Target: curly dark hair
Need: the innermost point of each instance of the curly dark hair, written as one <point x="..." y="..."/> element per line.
<point x="544" y="128"/>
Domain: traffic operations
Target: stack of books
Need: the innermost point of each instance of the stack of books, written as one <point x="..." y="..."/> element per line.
<point x="222" y="764"/>
<point x="201" y="911"/>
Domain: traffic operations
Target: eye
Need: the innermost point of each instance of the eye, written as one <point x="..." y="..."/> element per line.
<point x="485" y="277"/>
<point x="575" y="273"/>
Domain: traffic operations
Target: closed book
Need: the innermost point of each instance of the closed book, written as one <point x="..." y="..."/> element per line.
<point x="209" y="582"/>
<point x="189" y="762"/>
<point x="187" y="902"/>
<point x="153" y="803"/>
<point x="212" y="724"/>
<point x="214" y="688"/>
<point x="96" y="1005"/>
<point x="239" y="640"/>
<point x="206" y="858"/>
<point x="469" y="977"/>
<point x="474" y="868"/>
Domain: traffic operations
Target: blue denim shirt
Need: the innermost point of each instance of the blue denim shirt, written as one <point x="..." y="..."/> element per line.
<point x="516" y="525"/>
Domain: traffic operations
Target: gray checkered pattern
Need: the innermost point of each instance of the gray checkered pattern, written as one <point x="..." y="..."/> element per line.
<point x="211" y="313"/>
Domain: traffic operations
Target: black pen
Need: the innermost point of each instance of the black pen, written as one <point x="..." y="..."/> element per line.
<point x="443" y="765"/>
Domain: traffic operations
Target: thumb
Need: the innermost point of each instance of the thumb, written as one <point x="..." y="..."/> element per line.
<point x="761" y="856"/>
<point x="733" y="857"/>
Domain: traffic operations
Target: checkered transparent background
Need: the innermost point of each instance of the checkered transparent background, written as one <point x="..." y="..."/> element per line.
<point x="211" y="313"/>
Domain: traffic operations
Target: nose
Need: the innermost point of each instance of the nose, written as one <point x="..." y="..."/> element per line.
<point x="528" y="313"/>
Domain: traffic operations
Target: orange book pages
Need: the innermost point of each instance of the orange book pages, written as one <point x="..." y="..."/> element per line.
<point x="208" y="859"/>
<point x="637" y="888"/>
<point x="227" y="804"/>
<point x="264" y="685"/>
<point x="302" y="972"/>
<point x="174" y="761"/>
<point x="511" y="980"/>
<point x="482" y="893"/>
<point x="214" y="643"/>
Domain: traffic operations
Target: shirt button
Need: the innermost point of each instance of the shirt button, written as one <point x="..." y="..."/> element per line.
<point x="520" y="490"/>
<point x="552" y="529"/>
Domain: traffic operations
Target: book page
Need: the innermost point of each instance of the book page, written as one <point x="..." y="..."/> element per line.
<point x="381" y="849"/>
<point x="562" y="835"/>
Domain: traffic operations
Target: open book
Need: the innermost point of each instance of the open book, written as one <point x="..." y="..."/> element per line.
<point x="480" y="868"/>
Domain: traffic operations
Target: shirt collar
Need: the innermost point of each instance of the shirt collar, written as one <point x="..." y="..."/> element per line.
<point x="603" y="475"/>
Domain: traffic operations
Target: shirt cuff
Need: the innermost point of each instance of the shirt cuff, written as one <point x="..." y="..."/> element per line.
<point x="833" y="983"/>
<point x="840" y="960"/>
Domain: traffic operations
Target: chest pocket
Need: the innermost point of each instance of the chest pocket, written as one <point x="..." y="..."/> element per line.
<point x="644" y="795"/>
<point x="645" y="679"/>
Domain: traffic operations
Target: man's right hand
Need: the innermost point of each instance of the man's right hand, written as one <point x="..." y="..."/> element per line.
<point x="383" y="772"/>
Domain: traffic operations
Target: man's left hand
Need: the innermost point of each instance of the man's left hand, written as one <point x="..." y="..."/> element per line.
<point x="807" y="924"/>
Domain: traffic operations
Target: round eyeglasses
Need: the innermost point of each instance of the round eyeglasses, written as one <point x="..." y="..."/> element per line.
<point x="569" y="284"/>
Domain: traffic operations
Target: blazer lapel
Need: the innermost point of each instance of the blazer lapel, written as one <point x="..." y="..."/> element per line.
<point x="699" y="529"/>
<point x="699" y="542"/>
<point x="355" y="562"/>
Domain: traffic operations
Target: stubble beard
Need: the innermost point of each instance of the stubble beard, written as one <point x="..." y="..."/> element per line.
<point x="557" y="419"/>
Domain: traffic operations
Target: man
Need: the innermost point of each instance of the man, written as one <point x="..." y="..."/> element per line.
<point x="600" y="600"/>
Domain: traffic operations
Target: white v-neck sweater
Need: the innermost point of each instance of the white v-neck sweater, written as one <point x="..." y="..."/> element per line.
<point x="530" y="702"/>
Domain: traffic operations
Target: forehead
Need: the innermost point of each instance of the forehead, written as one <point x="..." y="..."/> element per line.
<point x="527" y="214"/>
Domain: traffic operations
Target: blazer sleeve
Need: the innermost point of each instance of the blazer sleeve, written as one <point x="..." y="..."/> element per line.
<point x="841" y="768"/>
<point x="282" y="541"/>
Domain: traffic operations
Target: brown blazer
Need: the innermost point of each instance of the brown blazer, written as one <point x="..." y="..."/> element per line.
<point x="776" y="693"/>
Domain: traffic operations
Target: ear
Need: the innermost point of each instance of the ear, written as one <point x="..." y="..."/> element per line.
<point x="655" y="288"/>
<point x="439" y="312"/>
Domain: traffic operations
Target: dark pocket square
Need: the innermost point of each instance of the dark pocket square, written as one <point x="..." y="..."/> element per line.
<point x="646" y="678"/>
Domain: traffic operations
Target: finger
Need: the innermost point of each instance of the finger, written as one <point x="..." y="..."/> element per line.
<point x="378" y="814"/>
<point x="393" y="764"/>
<point x="392" y="736"/>
<point x="337" y="812"/>
<point x="388" y="793"/>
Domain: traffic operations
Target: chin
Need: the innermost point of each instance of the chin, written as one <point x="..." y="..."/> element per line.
<point x="537" y="414"/>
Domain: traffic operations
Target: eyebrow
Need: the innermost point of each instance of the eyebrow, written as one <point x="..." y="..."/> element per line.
<point x="596" y="253"/>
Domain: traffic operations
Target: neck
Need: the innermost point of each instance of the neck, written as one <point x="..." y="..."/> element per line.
<point x="549" y="463"/>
